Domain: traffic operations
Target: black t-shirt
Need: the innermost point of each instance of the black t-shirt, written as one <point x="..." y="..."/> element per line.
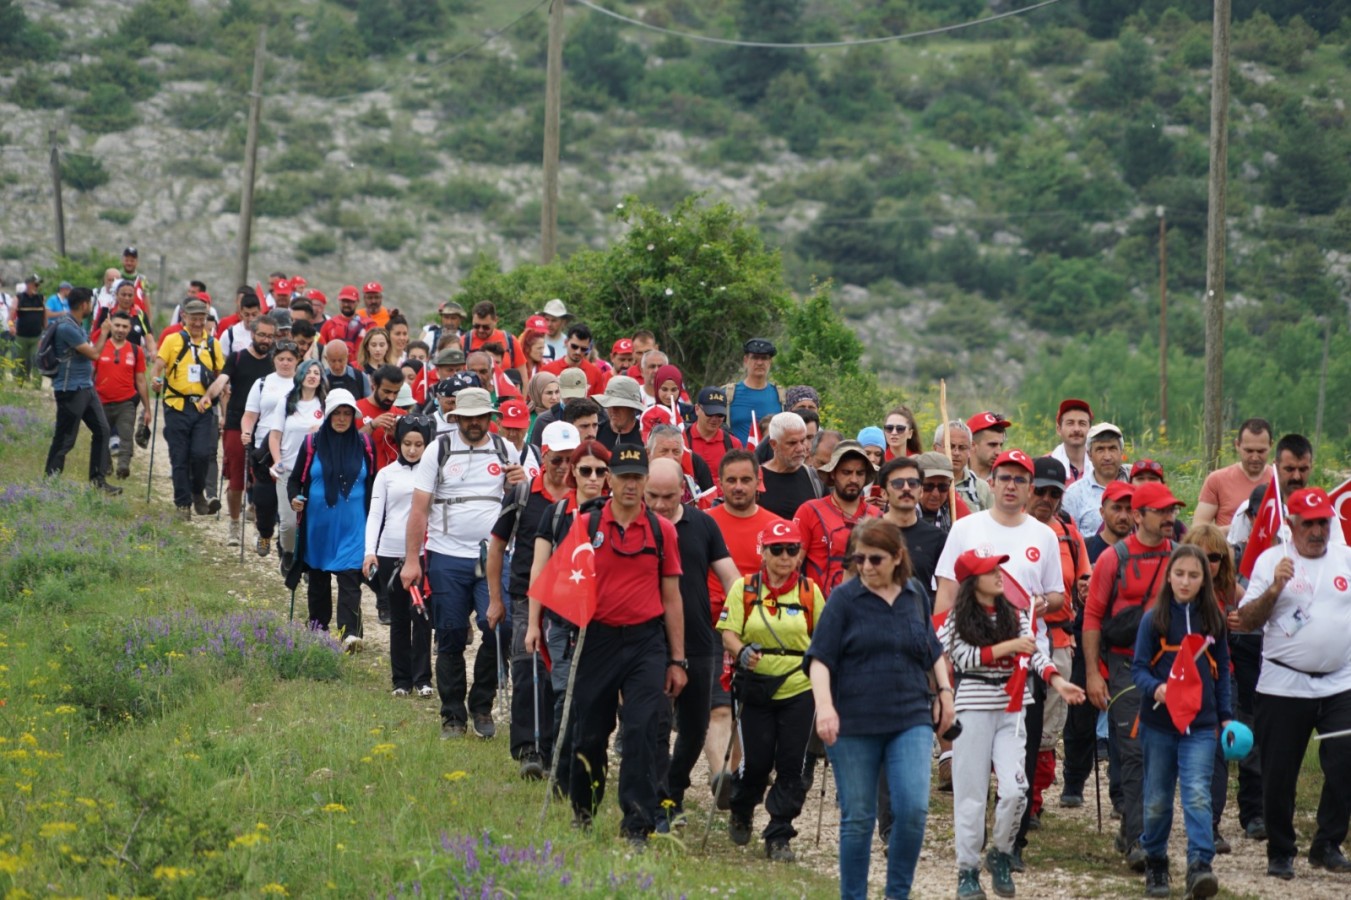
<point x="701" y="545"/>
<point x="140" y="325"/>
<point x="244" y="369"/>
<point x="607" y="436"/>
<point x="350" y="379"/>
<point x="523" y="555"/>
<point x="925" y="543"/>
<point x="783" y="494"/>
<point x="31" y="317"/>
<point x="1095" y="547"/>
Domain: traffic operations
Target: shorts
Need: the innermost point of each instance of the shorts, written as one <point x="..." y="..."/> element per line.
<point x="722" y="697"/>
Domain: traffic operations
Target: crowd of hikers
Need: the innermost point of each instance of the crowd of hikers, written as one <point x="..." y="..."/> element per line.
<point x="667" y="571"/>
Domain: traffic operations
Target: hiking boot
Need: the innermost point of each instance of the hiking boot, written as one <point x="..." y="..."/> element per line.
<point x="532" y="766"/>
<point x="1071" y="801"/>
<point x="1156" y="877"/>
<point x="452" y="729"/>
<point x="111" y="490"/>
<point x="778" y="850"/>
<point x="212" y="505"/>
<point x="236" y="533"/>
<point x="382" y="611"/>
<point x="1256" y="829"/>
<point x="1282" y="867"/>
<point x="1136" y="857"/>
<point x="722" y="789"/>
<point x="1201" y="881"/>
<point x="1329" y="858"/>
<point x="968" y="885"/>
<point x="740" y="830"/>
<point x="1000" y="867"/>
<point x="263" y="545"/>
<point x="1034" y="822"/>
<point x="287" y="560"/>
<point x="200" y="506"/>
<point x="1221" y="845"/>
<point x="1016" y="859"/>
<point x="945" y="775"/>
<point x="484" y="726"/>
<point x="352" y="644"/>
<point x="124" y="471"/>
<point x="183" y="513"/>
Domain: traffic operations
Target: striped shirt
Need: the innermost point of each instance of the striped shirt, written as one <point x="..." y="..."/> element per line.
<point x="982" y="677"/>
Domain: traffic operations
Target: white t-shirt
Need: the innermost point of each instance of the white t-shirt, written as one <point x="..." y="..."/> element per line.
<point x="263" y="398"/>
<point x="391" y="502"/>
<point x="236" y="337"/>
<point x="307" y="418"/>
<point x="1032" y="548"/>
<point x="456" y="529"/>
<point x="1240" y="527"/>
<point x="1310" y="625"/>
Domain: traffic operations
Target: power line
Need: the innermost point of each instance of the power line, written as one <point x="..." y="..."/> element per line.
<point x="809" y="45"/>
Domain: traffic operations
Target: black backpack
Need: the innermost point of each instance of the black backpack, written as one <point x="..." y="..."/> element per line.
<point x="49" y="362"/>
<point x="1119" y="630"/>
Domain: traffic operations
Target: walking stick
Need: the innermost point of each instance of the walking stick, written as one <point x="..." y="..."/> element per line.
<point x="291" y="617"/>
<point x="244" y="504"/>
<point x="726" y="758"/>
<point x="501" y="672"/>
<point x="947" y="442"/>
<point x="563" y="723"/>
<point x="821" y="809"/>
<point x="154" y="430"/>
<point x="1097" y="784"/>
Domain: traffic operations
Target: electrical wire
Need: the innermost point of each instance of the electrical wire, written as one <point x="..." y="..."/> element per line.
<point x="809" y="45"/>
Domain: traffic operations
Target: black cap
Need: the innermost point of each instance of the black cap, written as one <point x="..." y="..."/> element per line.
<point x="760" y="346"/>
<point x="1255" y="499"/>
<point x="130" y="251"/>
<point x="713" y="401"/>
<point x="448" y="387"/>
<point x="628" y="459"/>
<point x="1050" y="472"/>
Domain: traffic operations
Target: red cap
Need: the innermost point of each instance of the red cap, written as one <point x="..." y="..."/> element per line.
<point x="1015" y="458"/>
<point x="1311" y="503"/>
<point x="372" y="287"/>
<point x="985" y="421"/>
<point x="282" y="287"/>
<point x="1148" y="466"/>
<point x="971" y="563"/>
<point x="1153" y="495"/>
<point x="348" y="292"/>
<point x="784" y="532"/>
<point x="1070" y="404"/>
<point x="623" y="345"/>
<point x="1118" y="490"/>
<point x="317" y="297"/>
<point x="513" y="413"/>
<point x="537" y="323"/>
<point x="204" y="296"/>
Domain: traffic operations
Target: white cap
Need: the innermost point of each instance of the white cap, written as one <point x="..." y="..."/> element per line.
<point x="555" y="308"/>
<point x="1104" y="428"/>
<point x="560" y="437"/>
<point x="340" y="397"/>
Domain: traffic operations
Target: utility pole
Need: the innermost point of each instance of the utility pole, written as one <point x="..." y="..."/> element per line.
<point x="1322" y="383"/>
<point x="56" y="194"/>
<point x="1219" y="161"/>
<point x="553" y="98"/>
<point x="1163" y="326"/>
<point x="250" y="161"/>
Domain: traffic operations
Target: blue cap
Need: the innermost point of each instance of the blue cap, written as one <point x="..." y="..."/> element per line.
<point x="872" y="437"/>
<point x="1236" y="740"/>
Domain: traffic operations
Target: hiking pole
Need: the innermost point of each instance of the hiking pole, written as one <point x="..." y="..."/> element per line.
<point x="291" y="617"/>
<point x="1097" y="783"/>
<point x="501" y="672"/>
<point x="244" y="504"/>
<point x="722" y="773"/>
<point x="825" y="771"/>
<point x="534" y="661"/>
<point x="154" y="430"/>
<point x="563" y="723"/>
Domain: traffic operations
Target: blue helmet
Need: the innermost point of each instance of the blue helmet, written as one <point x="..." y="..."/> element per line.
<point x="1236" y="740"/>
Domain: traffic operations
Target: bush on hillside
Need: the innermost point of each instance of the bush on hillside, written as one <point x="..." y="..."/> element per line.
<point x="106" y="109"/>
<point x="83" y="172"/>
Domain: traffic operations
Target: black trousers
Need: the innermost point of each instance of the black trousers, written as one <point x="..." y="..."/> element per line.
<point x="689" y="714"/>
<point x="263" y="493"/>
<point x="532" y="693"/>
<point x="1245" y="652"/>
<point x="1284" y="725"/>
<point x="1032" y="722"/>
<point x="1081" y="734"/>
<point x="320" y="597"/>
<point x="72" y="408"/>
<point x="773" y="739"/>
<point x="410" y="635"/>
<point x="191" y="436"/>
<point x="630" y="660"/>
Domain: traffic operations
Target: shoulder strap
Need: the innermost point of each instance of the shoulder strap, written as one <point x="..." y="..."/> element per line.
<point x="560" y="510"/>
<point x="783" y="396"/>
<point x="500" y="448"/>
<point x="730" y="391"/>
<point x="815" y="480"/>
<point x="519" y="498"/>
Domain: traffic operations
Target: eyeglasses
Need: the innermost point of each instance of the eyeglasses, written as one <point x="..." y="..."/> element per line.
<point x="1019" y="480"/>
<point x="590" y="471"/>
<point x="1215" y="557"/>
<point x="1048" y="489"/>
<point x="898" y="483"/>
<point x="940" y="487"/>
<point x="580" y="348"/>
<point x="896" y="429"/>
<point x="558" y="460"/>
<point x="784" y="549"/>
<point x="872" y="559"/>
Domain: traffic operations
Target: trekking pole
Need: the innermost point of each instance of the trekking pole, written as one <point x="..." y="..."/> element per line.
<point x="244" y="505"/>
<point x="1097" y="784"/>
<point x="291" y="617"/>
<point x="534" y="661"/>
<point x="154" y="430"/>
<point x="501" y="673"/>
<point x="220" y="488"/>
<point x="726" y="759"/>
<point x="563" y="723"/>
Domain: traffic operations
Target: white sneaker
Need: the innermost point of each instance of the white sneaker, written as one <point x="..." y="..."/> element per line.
<point x="426" y="691"/>
<point x="235" y="531"/>
<point x="351" y="644"/>
<point x="401" y="692"/>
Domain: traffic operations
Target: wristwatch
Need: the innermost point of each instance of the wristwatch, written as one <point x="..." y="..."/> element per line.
<point x="683" y="663"/>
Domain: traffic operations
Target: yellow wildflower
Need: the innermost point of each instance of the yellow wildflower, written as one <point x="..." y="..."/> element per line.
<point x="56" y="829"/>
<point x="65" y="710"/>
<point x="277" y="889"/>
<point x="334" y="808"/>
<point x="456" y="775"/>
<point x="171" y="873"/>
<point x="382" y="750"/>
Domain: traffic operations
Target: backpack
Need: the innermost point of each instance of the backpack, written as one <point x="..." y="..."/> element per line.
<point x="806" y="601"/>
<point x="1120" y="630"/>
<point x="49" y="362"/>
<point x="186" y="345"/>
<point x="844" y="525"/>
<point x="443" y="451"/>
<point x="730" y="391"/>
<point x="593" y="529"/>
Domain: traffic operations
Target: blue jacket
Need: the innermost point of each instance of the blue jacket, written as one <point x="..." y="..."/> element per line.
<point x="1148" y="674"/>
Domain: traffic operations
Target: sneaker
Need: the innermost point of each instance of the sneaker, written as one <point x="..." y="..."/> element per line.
<point x="1135" y="858"/>
<point x="1034" y="822"/>
<point x="382" y="612"/>
<point x="451" y="729"/>
<point x="1201" y="881"/>
<point x="401" y="693"/>
<point x="1282" y="867"/>
<point x="235" y="532"/>
<point x="1256" y="829"/>
<point x="484" y="726"/>
<point x="212" y="505"/>
<point x="740" y="830"/>
<point x="1000" y="867"/>
<point x="968" y="885"/>
<point x="1156" y="877"/>
<point x="778" y="850"/>
<point x="183" y="513"/>
<point x="722" y="789"/>
<point x="263" y="544"/>
<point x="945" y="775"/>
<point x="663" y="824"/>
<point x="352" y="644"/>
<point x="111" y="490"/>
<point x="532" y="766"/>
<point x="1116" y="812"/>
<point x="1016" y="859"/>
<point x="1329" y="858"/>
<point x="424" y="691"/>
<point x="200" y="506"/>
<point x="1071" y="801"/>
<point x="1221" y="845"/>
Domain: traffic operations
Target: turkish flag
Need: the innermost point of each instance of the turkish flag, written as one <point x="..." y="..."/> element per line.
<point x="753" y="438"/>
<point x="141" y="303"/>
<point x="1265" y="526"/>
<point x="1183" y="698"/>
<point x="1016" y="594"/>
<point x="1339" y="495"/>
<point x="1018" y="683"/>
<point x="568" y="583"/>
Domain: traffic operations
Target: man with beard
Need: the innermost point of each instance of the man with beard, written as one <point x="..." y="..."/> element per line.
<point x="623" y="402"/>
<point x="346" y="326"/>
<point x="826" y="524"/>
<point x="974" y="491"/>
<point x="576" y="356"/>
<point x="901" y="484"/>
<point x="373" y="298"/>
<point x="242" y="369"/>
<point x="788" y="483"/>
<point x="380" y="414"/>
<point x="988" y="433"/>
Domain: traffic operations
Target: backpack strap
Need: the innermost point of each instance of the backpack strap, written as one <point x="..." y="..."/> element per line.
<point x="816" y="482"/>
<point x="658" y="539"/>
<point x="1165" y="647"/>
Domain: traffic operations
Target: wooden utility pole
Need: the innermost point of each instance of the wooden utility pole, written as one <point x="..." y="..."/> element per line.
<point x="1163" y="326"/>
<point x="56" y="194"/>
<point x="553" y="98"/>
<point x="1219" y="161"/>
<point x="250" y="161"/>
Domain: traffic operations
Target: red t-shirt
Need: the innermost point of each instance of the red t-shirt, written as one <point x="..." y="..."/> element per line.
<point x="712" y="451"/>
<point x="742" y="537"/>
<point x="628" y="589"/>
<point x="595" y="381"/>
<point x="825" y="536"/>
<point x="116" y="370"/>
<point x="386" y="451"/>
<point x="512" y="357"/>
<point x="1144" y="578"/>
<point x="226" y="324"/>
<point x="340" y="328"/>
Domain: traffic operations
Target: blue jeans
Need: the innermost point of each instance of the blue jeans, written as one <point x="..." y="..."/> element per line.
<point x="1170" y="758"/>
<point x="456" y="594"/>
<point x="858" y="760"/>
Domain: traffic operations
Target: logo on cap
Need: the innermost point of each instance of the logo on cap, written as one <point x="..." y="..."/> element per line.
<point x="1033" y="554"/>
<point x="630" y="456"/>
<point x="715" y="397"/>
<point x="372" y="287"/>
<point x="778" y="529"/>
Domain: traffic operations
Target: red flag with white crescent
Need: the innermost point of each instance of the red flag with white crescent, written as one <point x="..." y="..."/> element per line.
<point x="141" y="302"/>
<point x="568" y="583"/>
<point x="1016" y="594"/>
<point x="1184" y="695"/>
<point x="1339" y="495"/>
<point x="753" y="438"/>
<point x="1018" y="683"/>
<point x="1265" y="526"/>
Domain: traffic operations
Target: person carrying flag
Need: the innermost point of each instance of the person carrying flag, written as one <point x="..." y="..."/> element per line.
<point x="1181" y="670"/>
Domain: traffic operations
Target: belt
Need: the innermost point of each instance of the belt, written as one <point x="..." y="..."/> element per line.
<point x="1277" y="662"/>
<point x="620" y="629"/>
<point x="472" y="497"/>
<point x="996" y="680"/>
<point x="781" y="651"/>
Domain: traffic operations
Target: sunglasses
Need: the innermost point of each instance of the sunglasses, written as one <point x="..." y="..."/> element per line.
<point x="1019" y="480"/>
<point x="558" y="460"/>
<point x="935" y="486"/>
<point x="784" y="549"/>
<point x="419" y="421"/>
<point x="1052" y="491"/>
<point x="590" y="471"/>
<point x="898" y="483"/>
<point x="1215" y="557"/>
<point x="896" y="429"/>
<point x="580" y="348"/>
<point x="286" y="346"/>
<point x="872" y="559"/>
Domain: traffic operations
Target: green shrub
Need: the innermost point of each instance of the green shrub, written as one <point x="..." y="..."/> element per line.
<point x="83" y="172"/>
<point x="117" y="216"/>
<point x="105" y="110"/>
<point x="194" y="167"/>
<point x="392" y="235"/>
<point x="138" y="81"/>
<point x="463" y="194"/>
<point x="296" y="158"/>
<point x="401" y="155"/>
<point x="1057" y="47"/>
<point x="199" y="109"/>
<point x="318" y="243"/>
<point x="163" y="22"/>
<point x="34" y="90"/>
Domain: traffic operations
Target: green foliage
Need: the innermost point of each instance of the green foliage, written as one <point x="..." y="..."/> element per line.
<point x="22" y="40"/>
<point x="83" y="172"/>
<point x="32" y="89"/>
<point x="297" y="158"/>
<point x="814" y="327"/>
<point x="388" y="26"/>
<point x="161" y="22"/>
<point x="1051" y="287"/>
<point x="1057" y="47"/>
<point x="1262" y="40"/>
<point x="1312" y="172"/>
<point x="391" y="236"/>
<point x="117" y="216"/>
<point x="136" y="81"/>
<point x="747" y="72"/>
<point x="318" y="243"/>
<point x="198" y="109"/>
<point x="599" y="59"/>
<point x="289" y="194"/>
<point x="463" y="194"/>
<point x="402" y="155"/>
<point x="333" y="60"/>
<point x="84" y="269"/>
<point x="106" y="109"/>
<point x="866" y="240"/>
